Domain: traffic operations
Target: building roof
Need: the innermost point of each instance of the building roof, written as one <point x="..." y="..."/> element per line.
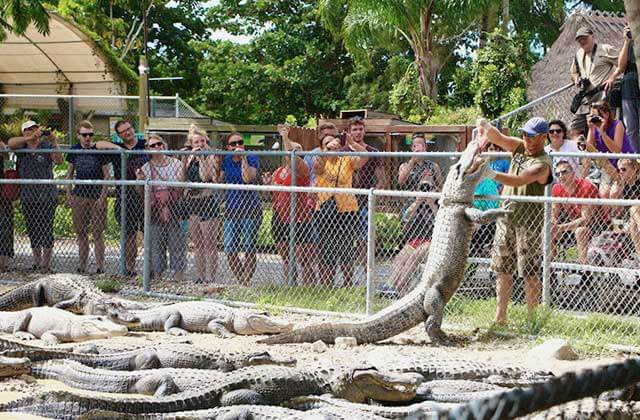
<point x="553" y="71"/>
<point x="68" y="60"/>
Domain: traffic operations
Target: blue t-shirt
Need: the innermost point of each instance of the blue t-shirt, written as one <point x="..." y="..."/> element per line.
<point x="499" y="165"/>
<point x="236" y="199"/>
<point x="88" y="166"/>
<point x="36" y="166"/>
<point x="486" y="187"/>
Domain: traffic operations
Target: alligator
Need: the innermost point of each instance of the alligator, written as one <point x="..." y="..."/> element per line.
<point x="445" y="267"/>
<point x="590" y="408"/>
<point x="465" y="369"/>
<point x="14" y="366"/>
<point x="270" y="385"/>
<point x="55" y="326"/>
<point x="199" y="316"/>
<point x="457" y="390"/>
<point x="239" y="412"/>
<point x="310" y="402"/>
<point x="157" y="382"/>
<point x="168" y="355"/>
<point x="71" y="292"/>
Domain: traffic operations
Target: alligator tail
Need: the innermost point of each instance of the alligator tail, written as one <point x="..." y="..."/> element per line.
<point x="402" y="315"/>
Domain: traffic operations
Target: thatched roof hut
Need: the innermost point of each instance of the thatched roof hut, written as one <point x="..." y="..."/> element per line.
<point x="552" y="72"/>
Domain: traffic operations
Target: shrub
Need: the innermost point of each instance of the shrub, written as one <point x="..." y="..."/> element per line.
<point x="109" y="285"/>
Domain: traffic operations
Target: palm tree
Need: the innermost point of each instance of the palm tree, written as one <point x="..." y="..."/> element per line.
<point x="427" y="28"/>
<point x="17" y="15"/>
<point x="633" y="16"/>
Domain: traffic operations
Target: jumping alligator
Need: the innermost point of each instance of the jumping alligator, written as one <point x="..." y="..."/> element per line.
<point x="445" y="267"/>
<point x="198" y="316"/>
<point x="65" y="291"/>
<point x="268" y="385"/>
<point x="151" y="357"/>
<point x="55" y="326"/>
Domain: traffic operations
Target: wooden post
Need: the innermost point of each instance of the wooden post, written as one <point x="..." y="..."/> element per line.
<point x="143" y="92"/>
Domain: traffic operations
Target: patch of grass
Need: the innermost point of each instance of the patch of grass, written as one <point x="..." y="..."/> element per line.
<point x="348" y="299"/>
<point x="589" y="334"/>
<point x="109" y="285"/>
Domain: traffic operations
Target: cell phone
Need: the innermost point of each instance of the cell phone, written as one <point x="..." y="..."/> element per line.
<point x="343" y="138"/>
<point x="46" y="132"/>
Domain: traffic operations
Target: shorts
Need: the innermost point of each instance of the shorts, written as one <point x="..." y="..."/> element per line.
<point x="135" y="211"/>
<point x="363" y="215"/>
<point x="516" y="247"/>
<point x="38" y="219"/>
<point x="241" y="234"/>
<point x="281" y="230"/>
<point x="206" y="207"/>
<point x="337" y="233"/>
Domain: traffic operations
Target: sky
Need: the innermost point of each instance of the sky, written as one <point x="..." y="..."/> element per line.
<point x="222" y="34"/>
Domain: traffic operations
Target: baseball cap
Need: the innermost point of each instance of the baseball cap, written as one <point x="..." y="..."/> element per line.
<point x="28" y="124"/>
<point x="584" y="31"/>
<point x="535" y="126"/>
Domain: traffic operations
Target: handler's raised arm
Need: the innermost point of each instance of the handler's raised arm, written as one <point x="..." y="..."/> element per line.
<point x="488" y="133"/>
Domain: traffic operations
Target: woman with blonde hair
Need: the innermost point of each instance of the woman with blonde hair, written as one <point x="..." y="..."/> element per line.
<point x="203" y="204"/>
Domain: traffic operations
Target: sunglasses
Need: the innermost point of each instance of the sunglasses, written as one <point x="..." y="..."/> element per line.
<point x="236" y="143"/>
<point x="622" y="169"/>
<point x="125" y="130"/>
<point x="156" y="144"/>
<point x="561" y="172"/>
<point x="555" y="131"/>
<point x="86" y="134"/>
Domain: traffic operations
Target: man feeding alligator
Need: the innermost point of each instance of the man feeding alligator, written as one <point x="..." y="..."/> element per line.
<point x="518" y="236"/>
<point x="444" y="270"/>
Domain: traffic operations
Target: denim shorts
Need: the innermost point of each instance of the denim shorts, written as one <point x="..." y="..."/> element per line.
<point x="241" y="235"/>
<point x="363" y="216"/>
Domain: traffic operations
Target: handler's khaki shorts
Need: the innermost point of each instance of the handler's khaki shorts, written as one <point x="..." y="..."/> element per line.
<point x="516" y="247"/>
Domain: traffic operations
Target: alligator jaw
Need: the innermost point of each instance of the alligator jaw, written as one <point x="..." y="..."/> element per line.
<point x="387" y="386"/>
<point x="254" y="323"/>
<point x="14" y="366"/>
<point x="265" y="358"/>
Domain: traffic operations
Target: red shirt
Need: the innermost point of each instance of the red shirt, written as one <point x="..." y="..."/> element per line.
<point x="584" y="189"/>
<point x="281" y="200"/>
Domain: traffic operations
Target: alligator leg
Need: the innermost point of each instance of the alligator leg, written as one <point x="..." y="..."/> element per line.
<point x="434" y="308"/>
<point x="217" y="327"/>
<point x="39" y="297"/>
<point x="147" y="360"/>
<point x="21" y="327"/>
<point x="172" y="324"/>
<point x="487" y="216"/>
<point x="241" y="397"/>
<point x="51" y="338"/>
<point x="157" y="384"/>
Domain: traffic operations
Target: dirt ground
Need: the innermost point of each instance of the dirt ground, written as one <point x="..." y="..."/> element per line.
<point x="412" y="343"/>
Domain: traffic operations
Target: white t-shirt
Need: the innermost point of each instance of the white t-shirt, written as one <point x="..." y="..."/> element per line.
<point x="171" y="172"/>
<point x="568" y="146"/>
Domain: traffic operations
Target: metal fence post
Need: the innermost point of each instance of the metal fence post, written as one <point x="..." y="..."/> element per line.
<point x="123" y="213"/>
<point x="70" y="121"/>
<point x="546" y="250"/>
<point x="177" y="106"/>
<point x="146" y="248"/>
<point x="292" y="224"/>
<point x="371" y="251"/>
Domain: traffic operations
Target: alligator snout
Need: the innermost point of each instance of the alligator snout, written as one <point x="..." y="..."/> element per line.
<point x="14" y="366"/>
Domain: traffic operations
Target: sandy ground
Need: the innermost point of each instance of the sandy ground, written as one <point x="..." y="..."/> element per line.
<point x="412" y="343"/>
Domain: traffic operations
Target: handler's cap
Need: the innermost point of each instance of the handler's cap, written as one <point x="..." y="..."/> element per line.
<point x="535" y="126"/>
<point x="28" y="124"/>
<point x="584" y="31"/>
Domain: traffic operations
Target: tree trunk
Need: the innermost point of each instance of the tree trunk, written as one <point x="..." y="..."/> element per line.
<point x="505" y="16"/>
<point x="633" y="17"/>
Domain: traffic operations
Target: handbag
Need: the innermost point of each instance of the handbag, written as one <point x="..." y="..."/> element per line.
<point x="11" y="192"/>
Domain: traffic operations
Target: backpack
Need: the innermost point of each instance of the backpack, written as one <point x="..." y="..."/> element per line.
<point x="609" y="249"/>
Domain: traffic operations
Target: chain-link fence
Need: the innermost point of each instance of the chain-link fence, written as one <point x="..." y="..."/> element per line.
<point x="251" y="227"/>
<point x="61" y="113"/>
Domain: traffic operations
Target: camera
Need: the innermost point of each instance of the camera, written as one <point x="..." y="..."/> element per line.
<point x="426" y="186"/>
<point x="595" y="119"/>
<point x="628" y="34"/>
<point x="584" y="83"/>
<point x="46" y="132"/>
